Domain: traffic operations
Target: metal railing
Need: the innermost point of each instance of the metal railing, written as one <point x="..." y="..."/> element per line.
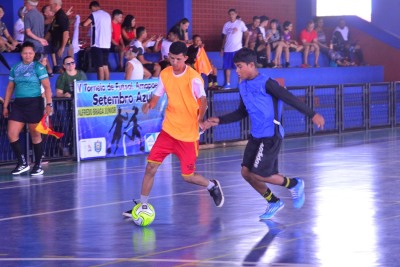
<point x="346" y="107"/>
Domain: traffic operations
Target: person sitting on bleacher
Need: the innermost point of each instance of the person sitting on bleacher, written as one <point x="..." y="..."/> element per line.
<point x="275" y="43"/>
<point x="133" y="68"/>
<point x="19" y="28"/>
<point x="309" y="39"/>
<point x="7" y="42"/>
<point x="141" y="42"/>
<point x="290" y="44"/>
<point x="128" y="29"/>
<point x="342" y="42"/>
<point x="254" y="31"/>
<point x="202" y="63"/>
<point x="164" y="47"/>
<point x="65" y="82"/>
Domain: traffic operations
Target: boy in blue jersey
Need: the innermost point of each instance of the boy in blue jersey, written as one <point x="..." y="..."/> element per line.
<point x="261" y="99"/>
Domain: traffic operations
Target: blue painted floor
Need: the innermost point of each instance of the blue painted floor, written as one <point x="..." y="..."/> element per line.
<point x="72" y="215"/>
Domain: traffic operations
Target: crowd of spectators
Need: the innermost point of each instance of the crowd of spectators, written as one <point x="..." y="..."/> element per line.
<point x="272" y="41"/>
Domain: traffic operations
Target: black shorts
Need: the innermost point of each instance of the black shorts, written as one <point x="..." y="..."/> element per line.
<point x="149" y="67"/>
<point x="261" y="155"/>
<point x="27" y="109"/>
<point x="99" y="56"/>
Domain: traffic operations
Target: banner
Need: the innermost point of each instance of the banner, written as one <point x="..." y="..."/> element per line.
<point x="109" y="118"/>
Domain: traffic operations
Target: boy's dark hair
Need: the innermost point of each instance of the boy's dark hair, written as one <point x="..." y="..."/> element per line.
<point x="263" y="18"/>
<point x="255" y="18"/>
<point x="139" y="31"/>
<point x="65" y="58"/>
<point x="27" y="44"/>
<point x="94" y="4"/>
<point x="116" y="12"/>
<point x="195" y="36"/>
<point x="177" y="48"/>
<point x="231" y="10"/>
<point x="245" y="55"/>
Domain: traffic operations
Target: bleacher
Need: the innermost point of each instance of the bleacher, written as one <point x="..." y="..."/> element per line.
<point x="293" y="76"/>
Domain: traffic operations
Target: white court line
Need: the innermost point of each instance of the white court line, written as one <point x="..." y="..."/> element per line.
<point x="231" y="263"/>
<point x="100" y="205"/>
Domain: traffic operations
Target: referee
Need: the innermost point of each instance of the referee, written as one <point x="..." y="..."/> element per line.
<point x="25" y="81"/>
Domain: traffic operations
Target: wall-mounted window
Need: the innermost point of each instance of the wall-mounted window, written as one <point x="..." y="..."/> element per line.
<point x="361" y="8"/>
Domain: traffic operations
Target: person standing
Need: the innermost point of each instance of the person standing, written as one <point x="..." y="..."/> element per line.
<point x="233" y="32"/>
<point x="25" y="81"/>
<point x="184" y="114"/>
<point x="34" y="26"/>
<point x="100" y="22"/>
<point x="261" y="99"/>
<point x="59" y="32"/>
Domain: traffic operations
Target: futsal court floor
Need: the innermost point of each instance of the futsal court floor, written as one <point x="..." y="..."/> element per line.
<point x="72" y="215"/>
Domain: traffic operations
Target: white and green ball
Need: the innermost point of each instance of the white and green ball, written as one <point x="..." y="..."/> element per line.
<point x="143" y="214"/>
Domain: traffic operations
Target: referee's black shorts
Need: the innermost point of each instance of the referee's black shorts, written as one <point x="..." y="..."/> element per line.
<point x="261" y="155"/>
<point x="27" y="109"/>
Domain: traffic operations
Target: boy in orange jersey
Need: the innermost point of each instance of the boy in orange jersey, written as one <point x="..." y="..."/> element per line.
<point x="187" y="105"/>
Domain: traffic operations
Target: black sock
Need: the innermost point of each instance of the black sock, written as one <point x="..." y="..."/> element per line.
<point x="16" y="147"/>
<point x="289" y="182"/>
<point x="38" y="152"/>
<point x="270" y="197"/>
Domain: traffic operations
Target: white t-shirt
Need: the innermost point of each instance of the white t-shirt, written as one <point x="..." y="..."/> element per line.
<point x="101" y="29"/>
<point x="234" y="35"/>
<point x="165" y="45"/>
<point x="137" y="73"/>
<point x="19" y="31"/>
<point x="139" y="45"/>
<point x="344" y="32"/>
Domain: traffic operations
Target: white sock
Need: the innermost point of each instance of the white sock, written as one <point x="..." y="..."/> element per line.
<point x="210" y="185"/>
<point x="144" y="199"/>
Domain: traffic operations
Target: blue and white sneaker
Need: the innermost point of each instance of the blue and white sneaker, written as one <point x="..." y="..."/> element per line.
<point x="227" y="86"/>
<point x="272" y="209"/>
<point x="298" y="195"/>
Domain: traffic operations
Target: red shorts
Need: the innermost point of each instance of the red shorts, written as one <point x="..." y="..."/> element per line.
<point x="186" y="152"/>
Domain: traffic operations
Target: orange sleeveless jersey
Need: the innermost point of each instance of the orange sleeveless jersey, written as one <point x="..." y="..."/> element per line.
<point x="181" y="115"/>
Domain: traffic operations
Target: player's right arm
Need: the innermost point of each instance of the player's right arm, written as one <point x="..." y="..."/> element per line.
<point x="238" y="114"/>
<point x="151" y="104"/>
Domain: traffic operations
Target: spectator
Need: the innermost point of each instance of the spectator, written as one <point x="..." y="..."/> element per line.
<point x="59" y="32"/>
<point x="100" y="22"/>
<point x="25" y="80"/>
<point x="128" y="29"/>
<point x="261" y="50"/>
<point x="65" y="82"/>
<point x="233" y="32"/>
<point x="309" y="39"/>
<point x="141" y="42"/>
<point x="19" y="29"/>
<point x="254" y="31"/>
<point x="321" y="36"/>
<point x="117" y="43"/>
<point x="290" y="44"/>
<point x="48" y="19"/>
<point x="34" y="26"/>
<point x="164" y="47"/>
<point x="275" y="43"/>
<point x="202" y="63"/>
<point x="7" y="43"/>
<point x="133" y="68"/>
<point x="342" y="42"/>
<point x="182" y="29"/>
